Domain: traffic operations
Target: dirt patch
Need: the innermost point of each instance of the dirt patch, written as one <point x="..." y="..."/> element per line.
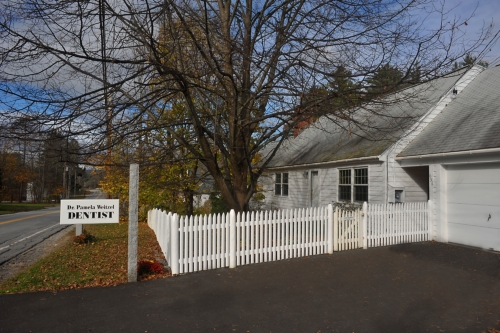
<point x="24" y="260"/>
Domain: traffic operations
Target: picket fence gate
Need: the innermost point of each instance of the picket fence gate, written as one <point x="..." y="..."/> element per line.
<point x="204" y="242"/>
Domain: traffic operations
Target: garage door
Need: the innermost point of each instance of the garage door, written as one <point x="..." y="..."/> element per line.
<point x="474" y="205"/>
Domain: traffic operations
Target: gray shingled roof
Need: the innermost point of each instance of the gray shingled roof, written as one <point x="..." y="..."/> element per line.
<point x="374" y="129"/>
<point x="471" y="121"/>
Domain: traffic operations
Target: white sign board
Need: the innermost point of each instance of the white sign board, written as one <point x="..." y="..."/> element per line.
<point x="92" y="211"/>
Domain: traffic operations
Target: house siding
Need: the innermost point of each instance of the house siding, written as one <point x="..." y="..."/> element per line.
<point x="439" y="223"/>
<point x="382" y="182"/>
<point x="376" y="183"/>
<point x="298" y="192"/>
<point x="413" y="181"/>
<point x="328" y="186"/>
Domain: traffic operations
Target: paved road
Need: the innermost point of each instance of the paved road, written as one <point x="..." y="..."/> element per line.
<point x="423" y="287"/>
<point x="21" y="231"/>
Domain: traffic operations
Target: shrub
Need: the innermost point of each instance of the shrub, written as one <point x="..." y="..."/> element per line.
<point x="84" y="238"/>
<point x="347" y="206"/>
<point x="146" y="267"/>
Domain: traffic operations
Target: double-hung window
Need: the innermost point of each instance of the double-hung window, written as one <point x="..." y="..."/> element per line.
<point x="353" y="185"/>
<point x="281" y="184"/>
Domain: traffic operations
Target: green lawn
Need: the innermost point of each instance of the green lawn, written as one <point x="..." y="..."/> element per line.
<point x="9" y="208"/>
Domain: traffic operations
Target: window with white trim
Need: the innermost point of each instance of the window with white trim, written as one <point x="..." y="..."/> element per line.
<point x="353" y="185"/>
<point x="281" y="184"/>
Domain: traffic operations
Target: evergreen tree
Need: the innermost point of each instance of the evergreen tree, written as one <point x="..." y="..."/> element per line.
<point x="386" y="79"/>
<point x="339" y="92"/>
<point x="469" y="60"/>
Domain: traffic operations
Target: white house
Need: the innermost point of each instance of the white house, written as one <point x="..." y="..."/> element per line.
<point x="439" y="140"/>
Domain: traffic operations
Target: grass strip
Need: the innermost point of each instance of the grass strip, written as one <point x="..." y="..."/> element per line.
<point x="10" y="208"/>
<point x="102" y="262"/>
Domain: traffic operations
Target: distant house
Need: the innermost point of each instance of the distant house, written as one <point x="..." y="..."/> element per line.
<point x="439" y="140"/>
<point x="202" y="194"/>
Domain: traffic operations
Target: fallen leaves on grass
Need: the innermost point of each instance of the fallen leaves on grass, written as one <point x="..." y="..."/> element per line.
<point x="102" y="262"/>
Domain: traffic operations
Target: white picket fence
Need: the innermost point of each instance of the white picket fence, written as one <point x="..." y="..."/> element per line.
<point x="198" y="243"/>
<point x="391" y="224"/>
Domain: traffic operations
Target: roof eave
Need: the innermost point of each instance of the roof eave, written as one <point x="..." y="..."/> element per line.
<point x="325" y="164"/>
<point x="454" y="153"/>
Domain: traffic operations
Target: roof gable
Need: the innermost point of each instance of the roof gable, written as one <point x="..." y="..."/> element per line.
<point x="470" y="122"/>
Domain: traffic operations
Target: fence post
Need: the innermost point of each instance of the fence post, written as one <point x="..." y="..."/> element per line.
<point x="329" y="228"/>
<point x="174" y="244"/>
<point x="429" y="218"/>
<point x="232" y="239"/>
<point x="336" y="229"/>
<point x="365" y="225"/>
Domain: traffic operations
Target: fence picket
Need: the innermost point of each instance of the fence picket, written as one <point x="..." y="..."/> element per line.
<point x="315" y="230"/>
<point x="273" y="239"/>
<point x="410" y="220"/>
<point x="303" y="231"/>
<point x="307" y="242"/>
<point x="227" y="237"/>
<point x="250" y="237"/>
<point x="185" y="243"/>
<point x="182" y="245"/>
<point x="248" y="233"/>
<point x="293" y="253"/>
<point x="341" y="227"/>
<point x="286" y="244"/>
<point x="345" y="230"/>
<point x="293" y="234"/>
<point x="342" y="230"/>
<point x="220" y="239"/>
<point x="316" y="239"/>
<point x="418" y="227"/>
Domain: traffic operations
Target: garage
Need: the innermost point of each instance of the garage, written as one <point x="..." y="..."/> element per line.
<point x="473" y="205"/>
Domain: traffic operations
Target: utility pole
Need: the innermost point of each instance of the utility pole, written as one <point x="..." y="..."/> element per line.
<point x="68" y="192"/>
<point x="65" y="168"/>
<point x="74" y="188"/>
<point x="102" y="26"/>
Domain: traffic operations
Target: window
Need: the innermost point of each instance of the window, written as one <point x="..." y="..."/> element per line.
<point x="281" y="184"/>
<point x="345" y="185"/>
<point x="353" y="188"/>
<point x="361" y="184"/>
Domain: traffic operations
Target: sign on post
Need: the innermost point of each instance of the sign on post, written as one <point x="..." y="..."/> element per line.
<point x="90" y="211"/>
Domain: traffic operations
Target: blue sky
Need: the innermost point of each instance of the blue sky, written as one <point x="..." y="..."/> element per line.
<point x="486" y="12"/>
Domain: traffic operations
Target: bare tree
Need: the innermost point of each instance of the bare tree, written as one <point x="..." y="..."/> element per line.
<point x="98" y="69"/>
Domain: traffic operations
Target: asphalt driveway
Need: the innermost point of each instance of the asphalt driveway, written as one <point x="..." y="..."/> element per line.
<point x="424" y="287"/>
